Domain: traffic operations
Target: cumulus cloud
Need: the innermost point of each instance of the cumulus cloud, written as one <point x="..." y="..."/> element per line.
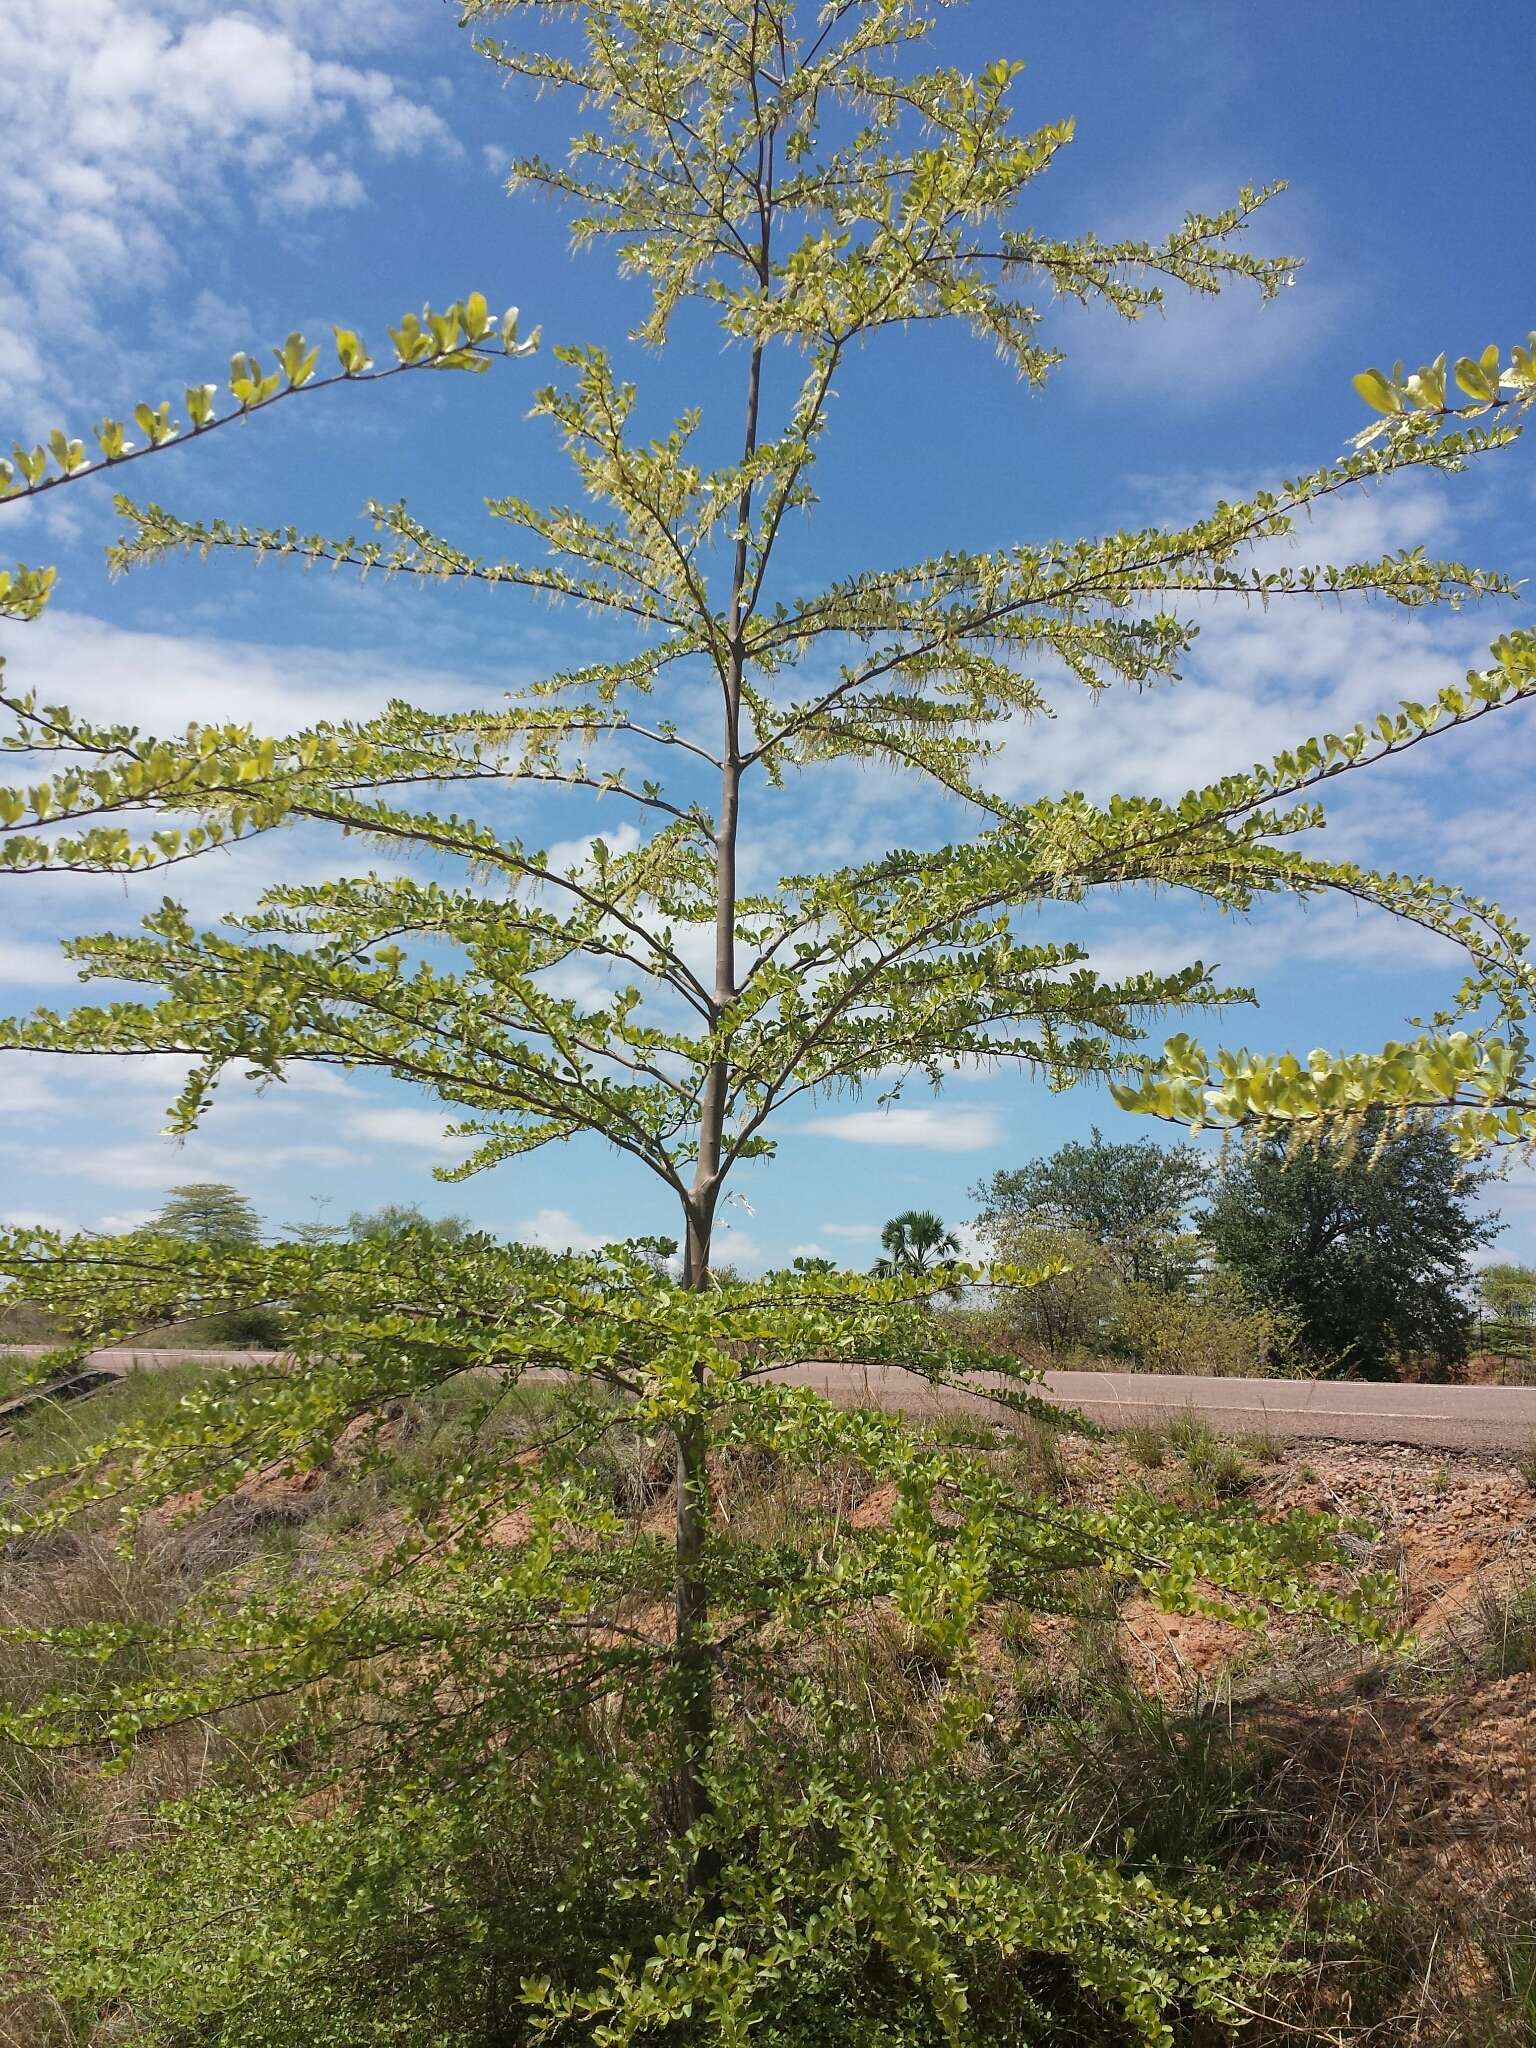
<point x="738" y="1248"/>
<point x="557" y="1230"/>
<point x="1259" y="679"/>
<point x="1199" y="346"/>
<point x="416" y="1130"/>
<point x="147" y="1162"/>
<point x="125" y="117"/>
<point x="944" y="1128"/>
<point x="164" y="681"/>
<point x="35" y="1219"/>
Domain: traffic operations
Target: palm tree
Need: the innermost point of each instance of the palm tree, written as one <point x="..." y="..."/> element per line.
<point x="916" y="1241"/>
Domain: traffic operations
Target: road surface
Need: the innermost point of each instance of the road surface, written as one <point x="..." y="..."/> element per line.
<point x="1286" y="1411"/>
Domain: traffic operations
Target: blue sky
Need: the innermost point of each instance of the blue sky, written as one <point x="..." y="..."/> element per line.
<point x="186" y="179"/>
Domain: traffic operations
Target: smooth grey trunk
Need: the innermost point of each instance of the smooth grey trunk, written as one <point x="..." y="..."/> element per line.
<point x="695" y="1649"/>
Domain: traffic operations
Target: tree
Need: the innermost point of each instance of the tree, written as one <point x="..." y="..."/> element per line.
<point x="394" y="1219"/>
<point x="1508" y="1293"/>
<point x="317" y="1230"/>
<point x="1129" y="1198"/>
<point x="208" y="1213"/>
<point x="916" y="1241"/>
<point x="798" y="176"/>
<point x="1366" y="1236"/>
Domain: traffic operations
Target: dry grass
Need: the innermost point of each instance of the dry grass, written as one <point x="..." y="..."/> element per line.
<point x="1401" y="1861"/>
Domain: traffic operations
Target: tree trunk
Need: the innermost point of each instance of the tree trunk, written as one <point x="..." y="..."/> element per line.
<point x="695" y="1658"/>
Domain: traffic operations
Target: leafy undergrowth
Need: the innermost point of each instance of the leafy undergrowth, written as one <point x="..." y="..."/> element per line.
<point x="1366" y="1820"/>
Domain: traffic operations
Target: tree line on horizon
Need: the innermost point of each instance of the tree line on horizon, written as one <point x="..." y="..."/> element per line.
<point x="1348" y="1259"/>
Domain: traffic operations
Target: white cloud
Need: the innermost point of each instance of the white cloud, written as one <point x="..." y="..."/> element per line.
<point x="1244" y="952"/>
<point x="418" y="1130"/>
<point x="160" y="1163"/>
<point x="125" y="119"/>
<point x="558" y="1231"/>
<point x="217" y="319"/>
<point x="36" y="963"/>
<point x="306" y="1080"/>
<point x="119" y="1223"/>
<point x="1196" y="347"/>
<point x="856" y="1232"/>
<point x="567" y="854"/>
<point x="1260" y="679"/>
<point x="27" y="1094"/>
<point x="932" y="1130"/>
<point x="35" y="1219"/>
<point x="163" y="682"/>
<point x="312" y="184"/>
<point x="1200" y="345"/>
<point x="402" y="127"/>
<point x="732" y="1247"/>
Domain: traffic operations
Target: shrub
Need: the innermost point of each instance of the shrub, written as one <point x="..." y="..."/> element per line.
<point x="255" y="1329"/>
<point x="1074" y="1310"/>
<point x="1216" y="1331"/>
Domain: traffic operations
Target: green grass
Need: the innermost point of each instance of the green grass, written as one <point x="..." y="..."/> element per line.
<point x="56" y="1430"/>
<point x="1172" y="1788"/>
<point x="961" y="1432"/>
<point x="1509" y="1629"/>
<point x="1218" y="1468"/>
<point x="1147" y="1443"/>
<point x="1514" y="1957"/>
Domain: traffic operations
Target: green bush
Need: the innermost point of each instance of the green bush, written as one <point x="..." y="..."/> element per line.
<point x="1215" y="1330"/>
<point x="249" y="1329"/>
<point x="1071" y="1312"/>
<point x="1206" y="1325"/>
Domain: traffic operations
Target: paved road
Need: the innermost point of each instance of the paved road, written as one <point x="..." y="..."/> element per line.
<point x="1437" y="1418"/>
<point x="1287" y="1411"/>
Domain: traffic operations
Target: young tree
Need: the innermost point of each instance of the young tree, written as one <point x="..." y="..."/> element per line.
<point x="916" y="1241"/>
<point x="1367" y="1237"/>
<point x="1129" y="1198"/>
<point x="796" y="174"/>
<point x="208" y="1213"/>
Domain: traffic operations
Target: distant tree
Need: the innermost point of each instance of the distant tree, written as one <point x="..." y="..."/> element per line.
<point x="400" y="1219"/>
<point x="1132" y="1199"/>
<point x="209" y="1213"/>
<point x="1506" y="1294"/>
<point x="1369" y="1243"/>
<point x="916" y="1241"/>
<point x="317" y="1230"/>
<point x="219" y="1218"/>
